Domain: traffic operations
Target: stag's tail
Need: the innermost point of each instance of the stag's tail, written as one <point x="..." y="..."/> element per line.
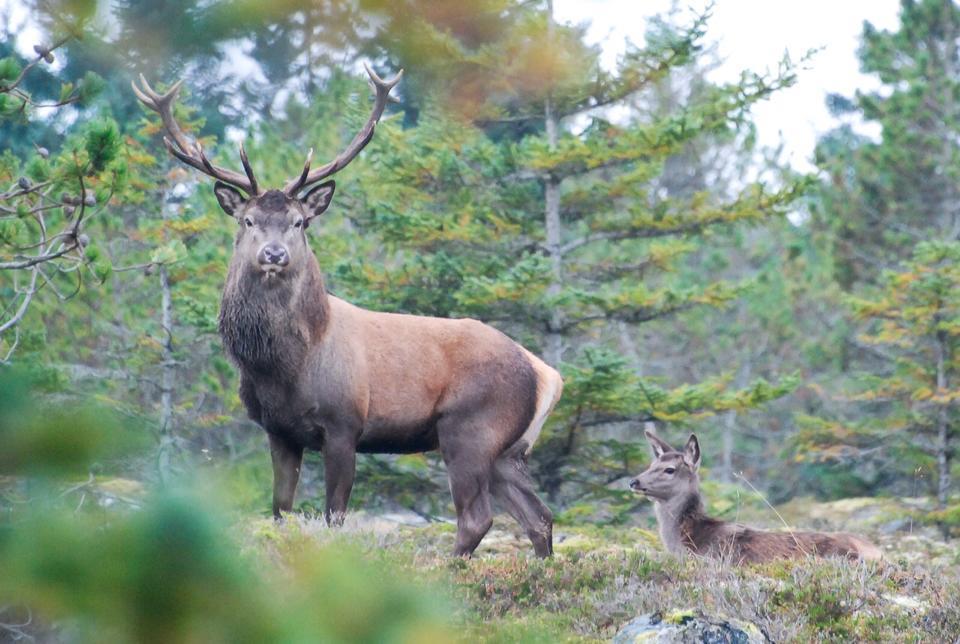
<point x="549" y="388"/>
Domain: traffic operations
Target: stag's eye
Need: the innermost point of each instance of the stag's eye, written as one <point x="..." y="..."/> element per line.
<point x="669" y="470"/>
<point x="298" y="223"/>
<point x="248" y="222"/>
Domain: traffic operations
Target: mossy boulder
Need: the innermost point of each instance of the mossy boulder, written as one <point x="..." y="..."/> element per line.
<point x="687" y="627"/>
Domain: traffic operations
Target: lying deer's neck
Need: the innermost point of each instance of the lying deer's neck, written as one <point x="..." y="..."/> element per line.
<point x="678" y="519"/>
<point x="267" y="326"/>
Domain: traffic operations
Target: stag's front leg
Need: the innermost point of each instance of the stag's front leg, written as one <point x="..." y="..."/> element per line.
<point x="339" y="469"/>
<point x="286" y="459"/>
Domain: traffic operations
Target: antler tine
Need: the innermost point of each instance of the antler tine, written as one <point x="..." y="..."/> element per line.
<point x="207" y="166"/>
<point x="181" y="146"/>
<point x="360" y="140"/>
<point x="248" y="169"/>
<point x="293" y="188"/>
<point x="162" y="104"/>
<point x="376" y="80"/>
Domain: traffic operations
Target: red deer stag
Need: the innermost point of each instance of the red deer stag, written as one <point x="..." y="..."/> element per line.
<point x="672" y="483"/>
<point x="317" y="372"/>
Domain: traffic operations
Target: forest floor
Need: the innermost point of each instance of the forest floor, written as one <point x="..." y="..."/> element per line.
<point x="110" y="560"/>
<point x="602" y="577"/>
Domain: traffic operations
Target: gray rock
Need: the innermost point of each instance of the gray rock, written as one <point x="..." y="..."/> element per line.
<point x="687" y="627"/>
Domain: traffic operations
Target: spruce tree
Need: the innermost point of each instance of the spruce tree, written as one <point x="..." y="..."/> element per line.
<point x="883" y="197"/>
<point x="559" y="231"/>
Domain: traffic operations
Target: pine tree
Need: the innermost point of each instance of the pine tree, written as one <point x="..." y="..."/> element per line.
<point x="913" y="321"/>
<point x="883" y="197"/>
<point x="47" y="199"/>
<point x="887" y="215"/>
<point x="561" y="236"/>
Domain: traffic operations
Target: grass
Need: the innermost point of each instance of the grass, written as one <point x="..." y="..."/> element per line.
<point x="96" y="558"/>
<point x="600" y="578"/>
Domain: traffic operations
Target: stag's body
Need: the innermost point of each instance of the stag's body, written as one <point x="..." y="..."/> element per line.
<point x="319" y="373"/>
<point x="673" y="484"/>
<point x="391" y="378"/>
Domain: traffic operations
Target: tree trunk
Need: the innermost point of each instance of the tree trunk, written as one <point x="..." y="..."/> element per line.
<point x="943" y="433"/>
<point x="730" y="420"/>
<point x="726" y="462"/>
<point x="554" y="349"/>
<point x="167" y="379"/>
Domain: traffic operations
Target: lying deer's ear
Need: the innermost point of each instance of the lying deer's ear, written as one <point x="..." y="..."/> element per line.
<point x="659" y="446"/>
<point x="318" y="199"/>
<point x="229" y="197"/>
<point x="691" y="452"/>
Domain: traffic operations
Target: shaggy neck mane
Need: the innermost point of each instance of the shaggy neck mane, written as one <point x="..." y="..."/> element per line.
<point x="266" y="326"/>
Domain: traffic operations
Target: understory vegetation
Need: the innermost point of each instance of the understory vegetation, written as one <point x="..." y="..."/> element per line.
<point x="103" y="556"/>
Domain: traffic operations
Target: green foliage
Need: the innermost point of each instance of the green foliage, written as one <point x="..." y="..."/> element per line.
<point x="102" y="143"/>
<point x="881" y="197"/>
<point x="170" y="571"/>
<point x="88" y="88"/>
<point x="914" y="321"/>
<point x="54" y="439"/>
<point x="9" y="69"/>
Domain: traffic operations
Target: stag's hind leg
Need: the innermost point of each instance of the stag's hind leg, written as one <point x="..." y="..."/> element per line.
<point x="513" y="486"/>
<point x="469" y="469"/>
<point x="471" y="496"/>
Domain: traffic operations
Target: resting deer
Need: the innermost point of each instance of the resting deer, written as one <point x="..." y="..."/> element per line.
<point x="319" y="373"/>
<point x="672" y="483"/>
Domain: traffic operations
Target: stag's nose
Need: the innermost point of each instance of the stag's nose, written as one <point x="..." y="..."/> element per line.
<point x="274" y="254"/>
<point x="635" y="485"/>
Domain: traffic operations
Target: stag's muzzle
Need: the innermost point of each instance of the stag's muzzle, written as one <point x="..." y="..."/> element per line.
<point x="273" y="257"/>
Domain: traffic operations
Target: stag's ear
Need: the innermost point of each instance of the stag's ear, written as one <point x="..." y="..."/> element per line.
<point x="229" y="197"/>
<point x="318" y="199"/>
<point x="691" y="452"/>
<point x="660" y="447"/>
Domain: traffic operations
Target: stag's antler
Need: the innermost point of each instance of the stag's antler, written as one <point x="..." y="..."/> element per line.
<point x="187" y="151"/>
<point x="307" y="177"/>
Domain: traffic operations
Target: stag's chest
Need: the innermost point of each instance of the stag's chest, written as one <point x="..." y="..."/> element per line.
<point x="281" y="409"/>
<point x="303" y="410"/>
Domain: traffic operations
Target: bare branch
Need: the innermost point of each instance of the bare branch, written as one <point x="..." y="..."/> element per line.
<point x="29" y="262"/>
<point x="27" y="297"/>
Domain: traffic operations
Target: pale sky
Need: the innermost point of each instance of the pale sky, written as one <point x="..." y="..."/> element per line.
<point x="753" y="34"/>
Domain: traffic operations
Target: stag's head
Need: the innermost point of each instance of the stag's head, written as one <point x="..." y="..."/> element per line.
<point x="271" y="239"/>
<point x="672" y="473"/>
<point x="271" y="236"/>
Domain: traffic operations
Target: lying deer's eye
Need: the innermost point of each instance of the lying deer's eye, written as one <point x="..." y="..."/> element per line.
<point x="669" y="470"/>
<point x="248" y="222"/>
<point x="298" y="223"/>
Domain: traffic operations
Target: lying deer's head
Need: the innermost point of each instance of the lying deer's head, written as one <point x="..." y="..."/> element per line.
<point x="271" y="238"/>
<point x="672" y="473"/>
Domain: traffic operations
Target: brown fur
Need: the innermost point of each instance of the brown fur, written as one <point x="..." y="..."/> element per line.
<point x="674" y="485"/>
<point x="320" y="373"/>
